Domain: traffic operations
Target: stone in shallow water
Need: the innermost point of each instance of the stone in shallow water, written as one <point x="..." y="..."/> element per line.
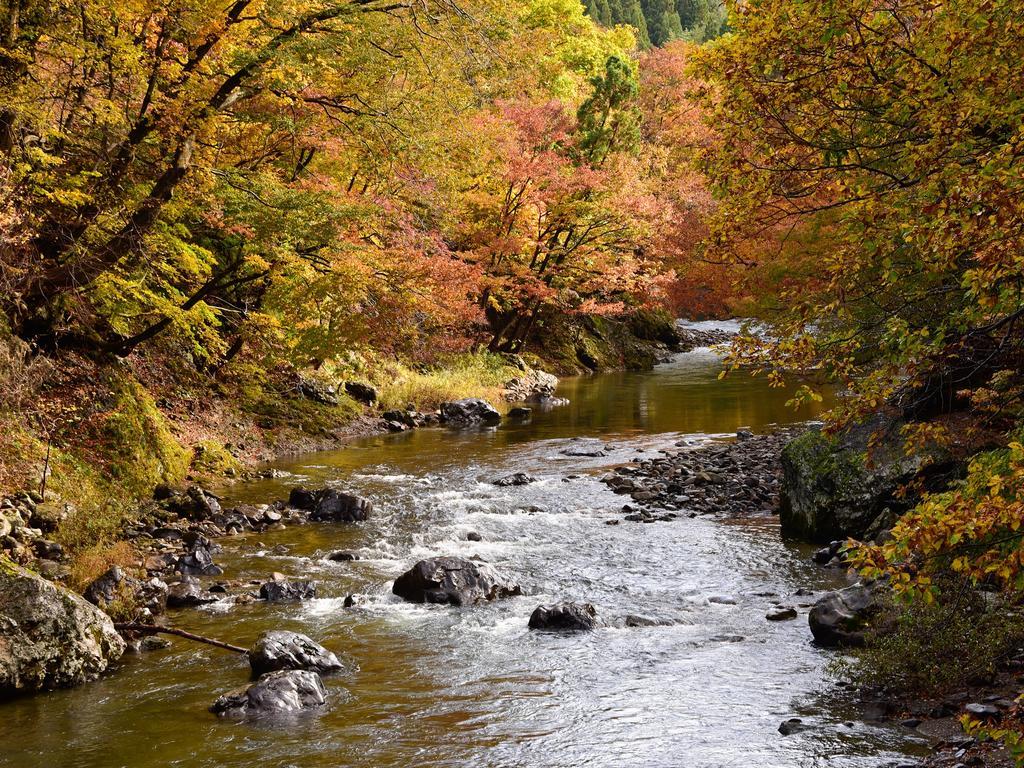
<point x="793" y="725"/>
<point x="341" y="557"/>
<point x="565" y="617"/>
<point x="49" y="636"/>
<point x="282" y="590"/>
<point x="722" y="600"/>
<point x="519" y="478"/>
<point x="278" y="649"/>
<point x="333" y="505"/>
<point x="840" y="618"/>
<point x="452" y="580"/>
<point x="276" y="693"/>
<point x="781" y="613"/>
<point x="470" y="411"/>
<point x="188" y="594"/>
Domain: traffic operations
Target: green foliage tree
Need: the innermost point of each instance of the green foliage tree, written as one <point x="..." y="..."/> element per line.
<point x="609" y="120"/>
<point x="663" y="22"/>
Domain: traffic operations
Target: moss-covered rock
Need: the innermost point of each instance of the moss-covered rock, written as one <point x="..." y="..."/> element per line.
<point x="637" y="342"/>
<point x="832" y="490"/>
<point x="49" y="636"/>
<point x="210" y="459"/>
<point x="141" y="450"/>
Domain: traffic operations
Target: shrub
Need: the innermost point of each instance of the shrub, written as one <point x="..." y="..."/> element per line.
<point x="928" y="648"/>
<point x="92" y="562"/>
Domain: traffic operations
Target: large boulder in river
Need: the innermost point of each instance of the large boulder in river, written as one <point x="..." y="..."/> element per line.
<point x="276" y="693"/>
<point x="279" y="649"/>
<point x="335" y="506"/>
<point x="283" y="590"/>
<point x="842" y="617"/>
<point x="835" y="487"/>
<point x="49" y="636"/>
<point x="330" y="504"/>
<point x="470" y="411"/>
<point x="565" y="617"/>
<point x="452" y="580"/>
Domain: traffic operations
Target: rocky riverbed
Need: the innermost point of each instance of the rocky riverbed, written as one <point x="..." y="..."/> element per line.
<point x="705" y="606"/>
<point x="737" y="478"/>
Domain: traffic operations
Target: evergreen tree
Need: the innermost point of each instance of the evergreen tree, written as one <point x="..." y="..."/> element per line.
<point x="663" y="22"/>
<point x="600" y="11"/>
<point x="691" y="12"/>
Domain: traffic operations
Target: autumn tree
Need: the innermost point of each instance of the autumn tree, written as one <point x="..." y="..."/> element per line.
<point x="895" y="129"/>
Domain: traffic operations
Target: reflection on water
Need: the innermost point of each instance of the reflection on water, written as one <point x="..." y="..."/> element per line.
<point x="443" y="687"/>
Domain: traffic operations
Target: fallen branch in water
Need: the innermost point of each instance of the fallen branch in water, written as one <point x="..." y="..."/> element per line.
<point x="151" y="629"/>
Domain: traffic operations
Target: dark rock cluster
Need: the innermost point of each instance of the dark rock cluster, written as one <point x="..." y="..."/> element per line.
<point x="736" y="478"/>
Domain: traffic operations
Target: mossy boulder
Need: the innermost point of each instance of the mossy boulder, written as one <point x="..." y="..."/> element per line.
<point x="836" y="487"/>
<point x="637" y="341"/>
<point x="140" y="449"/>
<point x="49" y="636"/>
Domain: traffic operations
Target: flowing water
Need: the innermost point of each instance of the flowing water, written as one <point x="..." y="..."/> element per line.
<point x="437" y="686"/>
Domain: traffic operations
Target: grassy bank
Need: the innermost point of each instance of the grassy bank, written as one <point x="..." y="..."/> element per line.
<point x="93" y="440"/>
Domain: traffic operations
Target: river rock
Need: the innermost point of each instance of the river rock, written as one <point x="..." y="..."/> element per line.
<point x="519" y="478"/>
<point x="49" y="636"/>
<point x="469" y="411"/>
<point x="283" y="590"/>
<point x="115" y="586"/>
<point x="47" y="515"/>
<point x="781" y="613"/>
<point x="278" y="649"/>
<point x="983" y="711"/>
<point x="361" y="391"/>
<point x="276" y="693"/>
<point x="330" y="504"/>
<point x="690" y="337"/>
<point x="589" y="449"/>
<point x="195" y="503"/>
<point x="842" y="617"/>
<point x="198" y="559"/>
<point x="335" y="506"/>
<point x="452" y="580"/>
<point x="106" y="588"/>
<point x="342" y="557"/>
<point x="565" y="617"/>
<point x="520" y="412"/>
<point x="318" y="392"/>
<point x="831" y="491"/>
<point x="46" y="549"/>
<point x="188" y="594"/>
<point x="793" y="725"/>
<point x="532" y="385"/>
<point x="302" y="498"/>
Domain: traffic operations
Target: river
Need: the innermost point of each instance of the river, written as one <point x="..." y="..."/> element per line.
<point x="437" y="686"/>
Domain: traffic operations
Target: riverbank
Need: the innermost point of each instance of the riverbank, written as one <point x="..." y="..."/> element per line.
<point x="92" y="440"/>
<point x="741" y="478"/>
<point x="701" y="589"/>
